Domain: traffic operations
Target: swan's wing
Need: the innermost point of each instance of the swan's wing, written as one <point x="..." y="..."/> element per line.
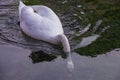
<point x="45" y="11"/>
<point x="21" y="5"/>
<point x="34" y="22"/>
<point x="39" y="27"/>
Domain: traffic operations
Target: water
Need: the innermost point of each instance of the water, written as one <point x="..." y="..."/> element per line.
<point x="86" y="41"/>
<point x="92" y="29"/>
<point x="15" y="64"/>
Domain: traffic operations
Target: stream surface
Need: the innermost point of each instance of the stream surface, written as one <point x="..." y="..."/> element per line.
<point x="24" y="58"/>
<point x="15" y="64"/>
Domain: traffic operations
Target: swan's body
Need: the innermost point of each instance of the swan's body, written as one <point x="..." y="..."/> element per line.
<point x="41" y="23"/>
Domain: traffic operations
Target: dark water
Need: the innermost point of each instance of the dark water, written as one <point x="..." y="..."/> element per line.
<point x="92" y="28"/>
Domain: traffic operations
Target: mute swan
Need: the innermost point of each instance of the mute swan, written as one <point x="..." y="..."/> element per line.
<point x="41" y="23"/>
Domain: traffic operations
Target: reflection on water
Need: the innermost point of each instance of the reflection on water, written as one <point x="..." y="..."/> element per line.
<point x="86" y="41"/>
<point x="15" y="64"/>
<point x="41" y="56"/>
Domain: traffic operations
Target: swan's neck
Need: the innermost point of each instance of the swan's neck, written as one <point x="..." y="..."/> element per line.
<point x="66" y="48"/>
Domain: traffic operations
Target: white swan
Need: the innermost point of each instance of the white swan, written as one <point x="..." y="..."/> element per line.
<point x="41" y="23"/>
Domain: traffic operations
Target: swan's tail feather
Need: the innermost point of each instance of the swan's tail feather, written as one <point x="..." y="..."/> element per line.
<point x="21" y="5"/>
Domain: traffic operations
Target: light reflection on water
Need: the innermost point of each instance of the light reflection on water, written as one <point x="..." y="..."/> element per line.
<point x="15" y="64"/>
<point x="87" y="40"/>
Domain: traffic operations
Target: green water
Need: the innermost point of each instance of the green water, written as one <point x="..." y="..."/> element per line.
<point x="77" y="14"/>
